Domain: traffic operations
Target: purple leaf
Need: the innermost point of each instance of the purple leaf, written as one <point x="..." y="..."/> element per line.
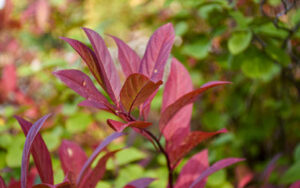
<point x="83" y="85"/>
<point x="192" y="169"/>
<point x="119" y="126"/>
<point x="95" y="104"/>
<point x="2" y="183"/>
<point x="179" y="83"/>
<point x="30" y="138"/>
<point x="95" y="175"/>
<point x="295" y="185"/>
<point x="128" y="58"/>
<point x="140" y="183"/>
<point x="40" y="153"/>
<point x="44" y="185"/>
<point x="177" y="152"/>
<point x="268" y="170"/>
<point x="108" y="72"/>
<point x="198" y="183"/>
<point x="157" y="52"/>
<point x="72" y="158"/>
<point x="186" y="99"/>
<point x="90" y="160"/>
<point x="88" y="56"/>
<point x="136" y="90"/>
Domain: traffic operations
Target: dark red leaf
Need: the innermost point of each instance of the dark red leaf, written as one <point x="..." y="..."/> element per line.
<point x="9" y="78"/>
<point x="198" y="183"/>
<point x="119" y="126"/>
<point x="40" y="153"/>
<point x="83" y="85"/>
<point x="95" y="175"/>
<point x="268" y="170"/>
<point x="128" y="58"/>
<point x="177" y="152"/>
<point x="88" y="57"/>
<point x="95" y="104"/>
<point x="192" y="169"/>
<point x="72" y="158"/>
<point x="2" y="183"/>
<point x="102" y="145"/>
<point x="140" y="183"/>
<point x="186" y="99"/>
<point x="157" y="52"/>
<point x="136" y="90"/>
<point x="109" y="74"/>
<point x="179" y="83"/>
<point x="30" y="138"/>
<point x="44" y="185"/>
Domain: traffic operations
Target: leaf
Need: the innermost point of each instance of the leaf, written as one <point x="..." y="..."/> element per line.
<point x="95" y="104"/>
<point x="186" y="99"/>
<point x="215" y="167"/>
<point x="72" y="158"/>
<point x="128" y="58"/>
<point x="198" y="49"/>
<point x="40" y="153"/>
<point x="90" y="160"/>
<point x="179" y="83"/>
<point x="108" y="72"/>
<point x="295" y="185"/>
<point x="239" y="41"/>
<point x="136" y="90"/>
<point x="270" y="167"/>
<point x="291" y="175"/>
<point x="32" y="134"/>
<point x="177" y="152"/>
<point x="157" y="52"/>
<point x="92" y="178"/>
<point x="140" y="183"/>
<point x="9" y="78"/>
<point x="192" y="169"/>
<point x="119" y="126"/>
<point x="88" y="56"/>
<point x="83" y="85"/>
<point x="78" y="122"/>
<point x="2" y="183"/>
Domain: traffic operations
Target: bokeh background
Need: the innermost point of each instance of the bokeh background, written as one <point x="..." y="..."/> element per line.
<point x="253" y="43"/>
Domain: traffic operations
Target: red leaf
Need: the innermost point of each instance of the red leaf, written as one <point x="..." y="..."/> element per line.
<point x="92" y="178"/>
<point x="179" y="83"/>
<point x="83" y="85"/>
<point x="186" y="99"/>
<point x="245" y="180"/>
<point x="90" y="160"/>
<point x="72" y="158"/>
<point x="40" y="153"/>
<point x="9" y="78"/>
<point x="177" y="152"/>
<point x="88" y="56"/>
<point x="119" y="126"/>
<point x="157" y="52"/>
<point x="128" y="58"/>
<point x="2" y="183"/>
<point x="295" y="185"/>
<point x="109" y="74"/>
<point x="44" y="186"/>
<point x="30" y="138"/>
<point x="192" y="169"/>
<point x="268" y="170"/>
<point x="95" y="104"/>
<point x="140" y="183"/>
<point x="198" y="183"/>
<point x="136" y="90"/>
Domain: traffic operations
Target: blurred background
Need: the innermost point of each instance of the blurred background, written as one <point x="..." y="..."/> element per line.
<point x="253" y="43"/>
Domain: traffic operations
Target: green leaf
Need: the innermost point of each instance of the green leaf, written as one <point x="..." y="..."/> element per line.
<point x="199" y="49"/>
<point x="297" y="153"/>
<point x="181" y="28"/>
<point x="278" y="54"/>
<point x="217" y="178"/>
<point x="126" y="156"/>
<point x="239" y="41"/>
<point x="14" y="156"/>
<point x="291" y="175"/>
<point x="78" y="122"/>
<point x="128" y="173"/>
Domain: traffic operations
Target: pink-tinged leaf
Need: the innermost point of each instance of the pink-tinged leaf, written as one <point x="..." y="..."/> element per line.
<point x="9" y="78"/>
<point x="32" y="134"/>
<point x="96" y="104"/>
<point x="295" y="185"/>
<point x="88" y="57"/>
<point x="177" y="152"/>
<point x="198" y="183"/>
<point x="268" y="170"/>
<point x="2" y="183"/>
<point x="157" y="52"/>
<point x="128" y="58"/>
<point x="72" y="158"/>
<point x="245" y="180"/>
<point x="90" y="160"/>
<point x="145" y="108"/>
<point x="40" y="153"/>
<point x="179" y="83"/>
<point x="43" y="185"/>
<point x="109" y="74"/>
<point x="140" y="183"/>
<point x="192" y="169"/>
<point x="95" y="175"/>
<point x="136" y="90"/>
<point x="119" y="126"/>
<point x="83" y="85"/>
<point x="186" y="99"/>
